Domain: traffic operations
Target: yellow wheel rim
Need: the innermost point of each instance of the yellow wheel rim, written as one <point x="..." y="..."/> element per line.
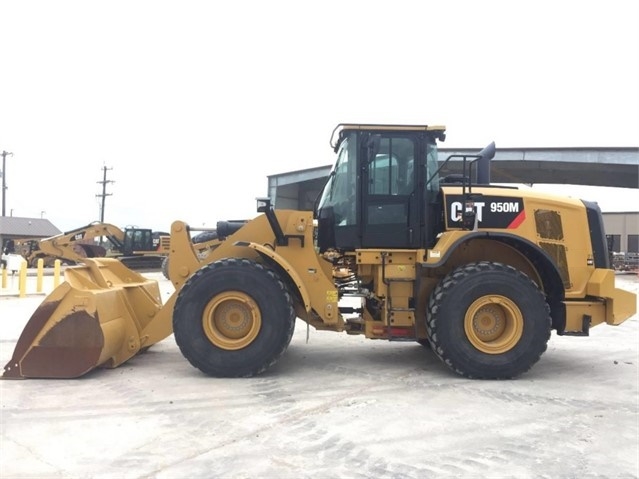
<point x="493" y="324"/>
<point x="231" y="320"/>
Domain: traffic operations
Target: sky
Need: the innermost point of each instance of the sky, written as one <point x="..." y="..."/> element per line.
<point x="192" y="104"/>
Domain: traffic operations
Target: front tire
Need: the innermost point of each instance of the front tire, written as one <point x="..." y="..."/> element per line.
<point x="233" y="318"/>
<point x="488" y="320"/>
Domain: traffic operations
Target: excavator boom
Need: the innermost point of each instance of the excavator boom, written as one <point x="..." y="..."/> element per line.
<point x="67" y="245"/>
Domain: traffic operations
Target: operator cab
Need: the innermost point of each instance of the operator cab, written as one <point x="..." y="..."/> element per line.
<point x="383" y="188"/>
<point x="137" y="239"/>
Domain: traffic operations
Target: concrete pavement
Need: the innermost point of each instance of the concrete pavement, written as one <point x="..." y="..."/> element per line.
<point x="335" y="406"/>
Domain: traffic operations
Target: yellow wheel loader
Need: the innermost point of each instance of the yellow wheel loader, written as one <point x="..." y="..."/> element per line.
<point x="480" y="273"/>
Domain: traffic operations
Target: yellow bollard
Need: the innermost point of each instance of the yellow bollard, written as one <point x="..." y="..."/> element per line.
<point x="56" y="273"/>
<point x="4" y="278"/>
<point x="40" y="274"/>
<point x="23" y="279"/>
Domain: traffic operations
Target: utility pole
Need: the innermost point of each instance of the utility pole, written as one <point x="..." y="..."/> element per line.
<point x="104" y="193"/>
<point x="4" y="181"/>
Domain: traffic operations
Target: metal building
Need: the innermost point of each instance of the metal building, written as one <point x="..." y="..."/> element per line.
<point x="583" y="166"/>
<point x="617" y="167"/>
<point x="623" y="230"/>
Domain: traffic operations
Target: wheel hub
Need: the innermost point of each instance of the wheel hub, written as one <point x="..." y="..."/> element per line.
<point x="231" y="320"/>
<point x="489" y="322"/>
<point x="493" y="324"/>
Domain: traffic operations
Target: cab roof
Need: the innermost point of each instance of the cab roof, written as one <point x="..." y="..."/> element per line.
<point x="343" y="127"/>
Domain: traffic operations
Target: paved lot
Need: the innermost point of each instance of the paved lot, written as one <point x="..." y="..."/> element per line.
<point x="337" y="406"/>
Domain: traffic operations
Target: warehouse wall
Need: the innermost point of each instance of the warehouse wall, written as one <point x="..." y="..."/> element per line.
<point x="624" y="229"/>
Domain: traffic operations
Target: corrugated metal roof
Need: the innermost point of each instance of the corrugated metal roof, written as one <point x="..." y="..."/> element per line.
<point x="27" y="227"/>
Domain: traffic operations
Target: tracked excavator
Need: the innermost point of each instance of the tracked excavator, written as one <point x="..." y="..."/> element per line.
<point x="481" y="274"/>
<point x="138" y="248"/>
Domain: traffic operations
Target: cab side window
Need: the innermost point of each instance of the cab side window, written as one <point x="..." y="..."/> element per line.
<point x="391" y="170"/>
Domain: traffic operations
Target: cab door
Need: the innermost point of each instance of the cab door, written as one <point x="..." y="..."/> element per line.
<point x="389" y="191"/>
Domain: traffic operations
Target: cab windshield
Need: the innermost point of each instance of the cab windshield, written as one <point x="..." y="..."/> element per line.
<point x="340" y="189"/>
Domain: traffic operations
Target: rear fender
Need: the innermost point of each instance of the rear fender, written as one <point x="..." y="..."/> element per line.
<point x="541" y="267"/>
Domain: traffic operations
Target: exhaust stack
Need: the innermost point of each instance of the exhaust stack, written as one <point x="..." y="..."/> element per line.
<point x="483" y="164"/>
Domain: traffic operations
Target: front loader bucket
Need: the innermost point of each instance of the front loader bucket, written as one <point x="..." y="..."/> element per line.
<point x="96" y="318"/>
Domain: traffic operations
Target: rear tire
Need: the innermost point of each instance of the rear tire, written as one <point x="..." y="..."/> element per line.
<point x="488" y="320"/>
<point x="233" y="318"/>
